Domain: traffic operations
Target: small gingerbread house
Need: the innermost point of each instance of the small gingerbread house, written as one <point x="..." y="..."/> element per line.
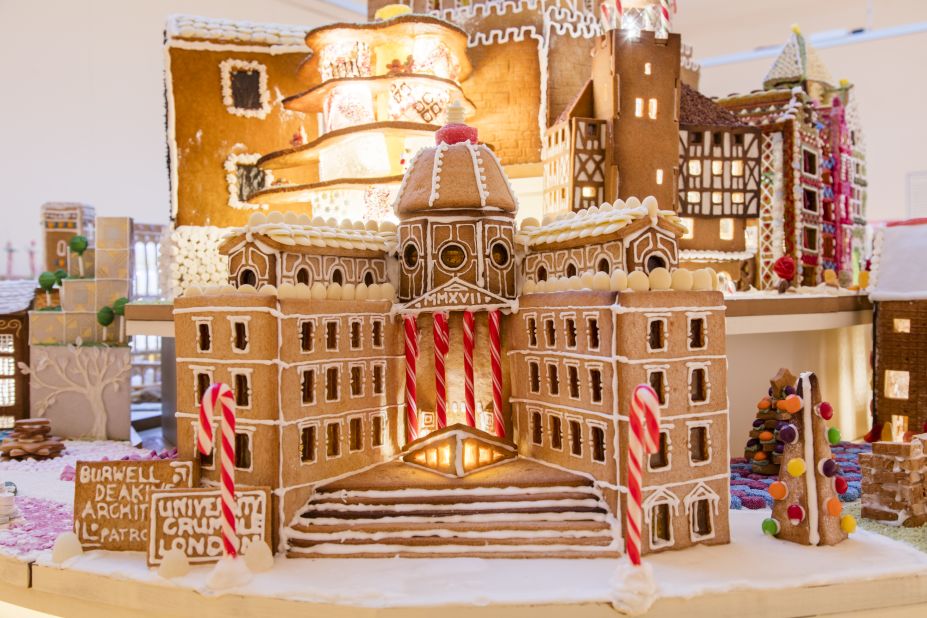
<point x="15" y="301"/>
<point x="899" y="295"/>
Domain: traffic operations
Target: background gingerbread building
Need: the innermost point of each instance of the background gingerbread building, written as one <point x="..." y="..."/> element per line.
<point x="16" y="298"/>
<point x="223" y="84"/>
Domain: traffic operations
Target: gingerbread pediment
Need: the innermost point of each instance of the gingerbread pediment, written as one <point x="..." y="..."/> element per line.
<point x="457" y="451"/>
<point x="454" y="295"/>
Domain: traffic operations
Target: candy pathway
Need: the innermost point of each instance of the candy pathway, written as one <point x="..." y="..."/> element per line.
<point x="749" y="491"/>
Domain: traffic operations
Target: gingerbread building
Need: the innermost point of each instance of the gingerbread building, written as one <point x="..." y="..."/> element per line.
<point x="466" y="389"/>
<point x="895" y="482"/>
<point x="223" y="81"/>
<point x="16" y="299"/>
<point x="380" y="90"/>
<point x="899" y="332"/>
<point x="812" y="202"/>
<point x="718" y="188"/>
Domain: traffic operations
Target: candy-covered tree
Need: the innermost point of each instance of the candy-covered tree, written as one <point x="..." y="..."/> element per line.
<point x="765" y="445"/>
<point x="806" y="507"/>
<point x="79" y="244"/>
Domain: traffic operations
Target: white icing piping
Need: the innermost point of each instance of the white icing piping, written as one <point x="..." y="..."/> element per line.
<point x="479" y="173"/>
<point x="436" y="173"/>
<point x="811" y="467"/>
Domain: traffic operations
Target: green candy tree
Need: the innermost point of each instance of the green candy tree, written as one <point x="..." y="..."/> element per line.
<point x="47" y="281"/>
<point x="105" y="317"/>
<point x="78" y="244"/>
<point x="119" y="308"/>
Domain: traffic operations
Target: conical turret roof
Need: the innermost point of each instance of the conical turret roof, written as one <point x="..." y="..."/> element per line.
<point x="798" y="62"/>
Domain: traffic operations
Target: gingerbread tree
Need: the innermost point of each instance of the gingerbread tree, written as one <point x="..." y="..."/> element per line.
<point x="765" y="445"/>
<point x="806" y="507"/>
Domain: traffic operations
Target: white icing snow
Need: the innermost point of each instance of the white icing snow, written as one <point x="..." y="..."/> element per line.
<point x="634" y="588"/>
<point x="894" y="249"/>
<point x="423" y="582"/>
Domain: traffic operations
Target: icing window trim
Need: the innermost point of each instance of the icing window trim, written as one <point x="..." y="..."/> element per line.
<point x="232" y="65"/>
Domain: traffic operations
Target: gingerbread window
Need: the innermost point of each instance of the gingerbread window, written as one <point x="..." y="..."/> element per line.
<point x="243" y="451"/>
<point x="537" y="428"/>
<point x="355" y="434"/>
<point x="377" y="431"/>
<point x="244" y="88"/>
<point x="333" y="440"/>
<point x="556" y="432"/>
<point x="661" y="460"/>
<point x="597" y="438"/>
<point x="308" y="449"/>
<point x="576" y="437"/>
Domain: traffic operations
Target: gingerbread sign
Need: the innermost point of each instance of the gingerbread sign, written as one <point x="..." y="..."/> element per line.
<point x="111" y="500"/>
<point x="191" y="520"/>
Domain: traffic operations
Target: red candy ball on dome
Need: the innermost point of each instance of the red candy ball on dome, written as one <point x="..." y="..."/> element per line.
<point x="826" y="410"/>
<point x="795" y="513"/>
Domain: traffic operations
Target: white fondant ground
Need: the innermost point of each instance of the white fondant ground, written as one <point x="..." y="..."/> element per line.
<point x="751" y="562"/>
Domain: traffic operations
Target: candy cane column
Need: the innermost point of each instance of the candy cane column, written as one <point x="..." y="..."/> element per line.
<point x="469" y="397"/>
<point x="441" y="331"/>
<point x="495" y="350"/>
<point x="643" y="438"/>
<point x="220" y="396"/>
<point x="411" y="337"/>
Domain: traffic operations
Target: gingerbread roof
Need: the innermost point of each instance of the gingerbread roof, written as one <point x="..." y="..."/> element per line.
<point x="16" y="295"/>
<point x="598" y="221"/>
<point x="893" y="249"/>
<point x="300" y="231"/>
<point x="461" y="176"/>
<point x="198" y="28"/>
<point x="798" y="62"/>
<point x="695" y="109"/>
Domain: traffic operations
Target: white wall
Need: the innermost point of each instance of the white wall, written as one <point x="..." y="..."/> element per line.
<point x="81" y="107"/>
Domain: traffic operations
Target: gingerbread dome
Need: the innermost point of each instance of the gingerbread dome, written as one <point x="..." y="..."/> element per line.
<point x="461" y="175"/>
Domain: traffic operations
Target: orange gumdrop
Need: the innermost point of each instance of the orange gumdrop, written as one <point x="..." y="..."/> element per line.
<point x="764" y="403"/>
<point x="833" y="507"/>
<point x="760" y="456"/>
<point x="765" y="436"/>
<point x="791" y="404"/>
<point x="778" y="490"/>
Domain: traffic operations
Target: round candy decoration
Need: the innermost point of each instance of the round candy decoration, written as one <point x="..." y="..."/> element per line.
<point x="788" y="434"/>
<point x="770" y="526"/>
<point x="834" y="507"/>
<point x="796" y="466"/>
<point x="841" y="485"/>
<point x="833" y="436"/>
<point x="763" y="405"/>
<point x="848" y="524"/>
<point x="752" y="443"/>
<point x="789" y="390"/>
<point x="825" y="410"/>
<point x="766" y="436"/>
<point x="760" y="456"/>
<point x="758" y="423"/>
<point x="791" y="404"/>
<point x="827" y="467"/>
<point x="778" y="490"/>
<point x="795" y="513"/>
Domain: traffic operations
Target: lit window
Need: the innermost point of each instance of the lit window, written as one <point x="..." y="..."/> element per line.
<point x="695" y="167"/>
<point x="639" y="107"/>
<point x="7" y="392"/>
<point x="647" y="68"/>
<point x="902" y="325"/>
<point x="7" y="344"/>
<point x="716" y="197"/>
<point x="652" y="109"/>
<point x="588" y="192"/>
<point x="737" y="197"/>
<point x="737" y="168"/>
<point x="689" y="224"/>
<point x="7" y="366"/>
<point x="693" y="197"/>
<point x="717" y="167"/>
<point x="896" y="384"/>
<point x="726" y="229"/>
<point x="659" y="177"/>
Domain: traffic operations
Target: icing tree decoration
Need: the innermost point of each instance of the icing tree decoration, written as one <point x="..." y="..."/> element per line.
<point x="806" y="507"/>
<point x="772" y="428"/>
<point x="86" y="371"/>
<point x="634" y="587"/>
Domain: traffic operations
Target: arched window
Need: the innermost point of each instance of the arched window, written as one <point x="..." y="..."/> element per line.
<point x="604" y="265"/>
<point x="338" y="276"/>
<point x="410" y="255"/>
<point x="655" y="261"/>
<point x="368" y="278"/>
<point x="247" y="276"/>
<point x="302" y="275"/>
<point x="542" y="273"/>
<point x="500" y="254"/>
<point x="571" y="270"/>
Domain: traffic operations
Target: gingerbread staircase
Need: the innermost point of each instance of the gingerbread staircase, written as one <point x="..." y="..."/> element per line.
<point x="420" y="516"/>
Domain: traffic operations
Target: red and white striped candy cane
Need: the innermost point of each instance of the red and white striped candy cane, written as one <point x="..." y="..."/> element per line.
<point x="411" y="332"/>
<point x="495" y="350"/>
<point x="643" y="438"/>
<point x="204" y="439"/>
<point x="469" y="396"/>
<point x="441" y="332"/>
<point x="665" y="15"/>
<point x="220" y="396"/>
